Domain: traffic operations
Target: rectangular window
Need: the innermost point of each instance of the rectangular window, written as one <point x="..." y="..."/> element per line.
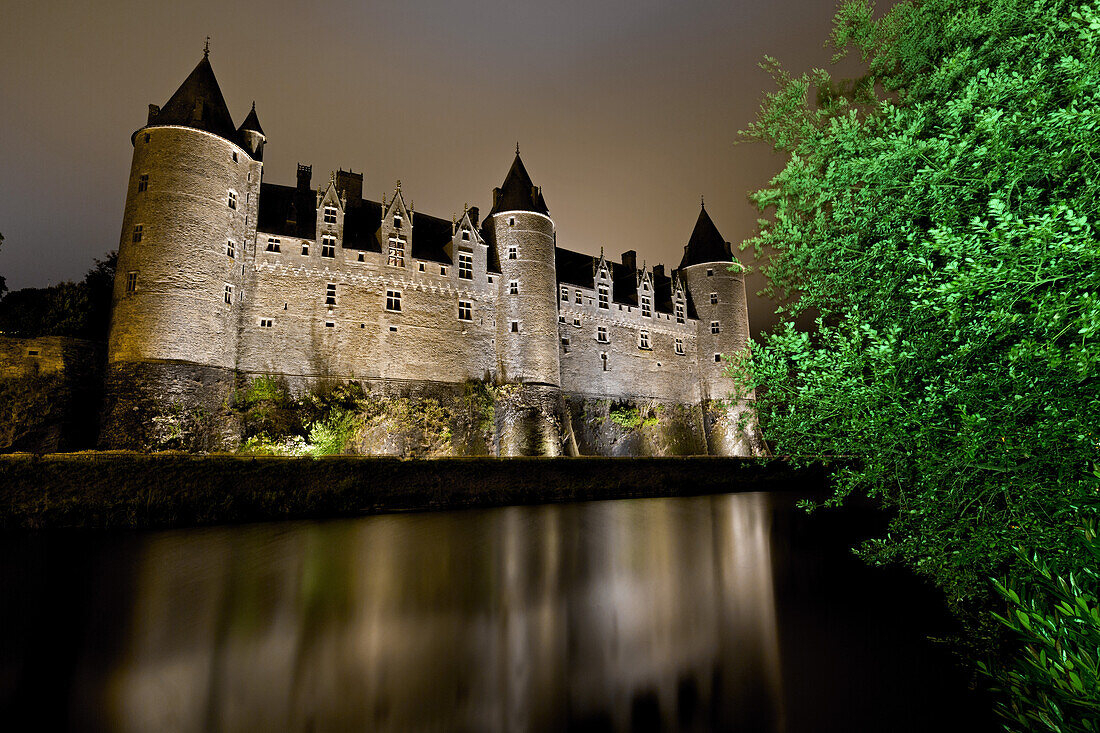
<point x="647" y="306"/>
<point x="266" y="323"/>
<point x="232" y="199"/>
<point x="603" y="361"/>
<point x="228" y="294"/>
<point x="605" y="296"/>
<point x="272" y="244"/>
<point x="577" y="298"/>
<point x="420" y="267"/>
<point x="576" y="322"/>
<point x="643" y="339"/>
<point x="443" y="270"/>
<point x="561" y="320"/>
<point x="513" y="252"/>
<point x="465" y="310"/>
<point x="710" y="273"/>
<point x="137" y="232"/>
<point x="397" y="222"/>
<point x="564" y="294"/>
<point x="491" y="279"/>
<point x="714" y="328"/>
<point x="714" y="298"/>
<point x="565" y="342"/>
<point x="360" y="257"/>
<point x="143" y="182"/>
<point x="717" y="357"/>
<point x="330" y="324"/>
<point x="305" y="248"/>
<point x="330" y="215"/>
<point x="393" y="300"/>
<point x="131" y="282"/>
<point x="511" y="221"/>
<point x="513" y="326"/>
<point x="328" y="246"/>
<point x="465" y="236"/>
<point x="230" y="249"/>
<point x="513" y="287"/>
<point x="679" y="346"/>
<point x="601" y="335"/>
<point x="465" y="266"/>
<point x="330" y="294"/>
<point x="679" y="312"/>
<point x="397" y="253"/>
<point x="234" y="157"/>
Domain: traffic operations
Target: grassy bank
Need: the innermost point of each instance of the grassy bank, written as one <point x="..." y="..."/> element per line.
<point x="129" y="490"/>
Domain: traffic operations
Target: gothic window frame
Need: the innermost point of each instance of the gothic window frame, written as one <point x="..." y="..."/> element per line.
<point x="466" y="310"/>
<point x="465" y="265"/>
<point x="604" y="294"/>
<point x="393" y="301"/>
<point x="328" y="215"/>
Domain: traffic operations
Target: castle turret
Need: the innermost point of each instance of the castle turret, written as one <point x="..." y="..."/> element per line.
<point x="716" y="284"/>
<point x="520" y="228"/>
<point x="188" y="234"/>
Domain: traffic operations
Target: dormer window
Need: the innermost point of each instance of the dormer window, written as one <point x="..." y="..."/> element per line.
<point x="465" y="236"/>
<point x="396" y="256"/>
<point x="647" y="306"/>
<point x="604" y="296"/>
<point x="679" y="312"/>
<point x="645" y="287"/>
<point x="465" y="266"/>
<point x="564" y="294"/>
<point x="328" y="246"/>
<point x="330" y="215"/>
<point x="577" y="298"/>
<point x="396" y="222"/>
<point x="272" y="244"/>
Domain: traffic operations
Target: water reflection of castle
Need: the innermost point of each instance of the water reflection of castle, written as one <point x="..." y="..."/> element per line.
<point x="611" y="615"/>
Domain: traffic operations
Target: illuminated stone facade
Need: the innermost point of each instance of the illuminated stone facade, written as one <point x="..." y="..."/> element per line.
<point x="223" y="276"/>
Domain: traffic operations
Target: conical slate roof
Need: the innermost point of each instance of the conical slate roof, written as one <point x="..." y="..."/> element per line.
<point x="706" y="243"/>
<point x="199" y="103"/>
<point x="518" y="193"/>
<point x="252" y="122"/>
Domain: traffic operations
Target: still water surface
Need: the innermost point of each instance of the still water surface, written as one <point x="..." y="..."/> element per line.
<point x="731" y="612"/>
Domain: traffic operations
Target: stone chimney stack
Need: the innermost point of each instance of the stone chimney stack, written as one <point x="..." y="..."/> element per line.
<point x="630" y="260"/>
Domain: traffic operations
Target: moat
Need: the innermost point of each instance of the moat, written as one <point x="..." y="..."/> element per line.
<point x="726" y="612"/>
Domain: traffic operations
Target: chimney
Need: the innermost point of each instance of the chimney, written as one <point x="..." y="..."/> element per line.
<point x="350" y="184"/>
<point x="658" y="272"/>
<point x="305" y="173"/>
<point x="496" y="197"/>
<point x="630" y="260"/>
<point x="474" y="215"/>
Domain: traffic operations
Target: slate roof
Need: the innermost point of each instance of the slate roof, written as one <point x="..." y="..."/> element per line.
<point x="251" y="122"/>
<point x="362" y="222"/>
<point x="706" y="243"/>
<point x="574" y="268"/>
<point x="183" y="107"/>
<point x="518" y="192"/>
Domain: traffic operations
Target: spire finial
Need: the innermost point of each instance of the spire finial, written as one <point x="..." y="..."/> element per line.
<point x="206" y="48"/>
<point x="517" y="147"/>
<point x="702" y="204"/>
<point x="253" y="105"/>
<point x="398" y="184"/>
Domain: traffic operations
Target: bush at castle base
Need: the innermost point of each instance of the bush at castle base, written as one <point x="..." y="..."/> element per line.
<point x="949" y="239"/>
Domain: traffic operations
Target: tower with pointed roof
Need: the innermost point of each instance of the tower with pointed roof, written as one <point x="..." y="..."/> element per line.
<point x="188" y="227"/>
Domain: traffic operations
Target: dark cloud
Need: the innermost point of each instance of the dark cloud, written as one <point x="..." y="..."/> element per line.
<point x="626" y="111"/>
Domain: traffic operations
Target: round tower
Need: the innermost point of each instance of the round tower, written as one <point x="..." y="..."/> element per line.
<point x="716" y="284"/>
<point x="188" y="230"/>
<point x="522" y="231"/>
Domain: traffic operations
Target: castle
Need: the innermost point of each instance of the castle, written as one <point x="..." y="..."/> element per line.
<point x="223" y="276"/>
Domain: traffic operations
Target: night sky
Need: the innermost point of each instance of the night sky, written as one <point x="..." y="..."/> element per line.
<point x="626" y="112"/>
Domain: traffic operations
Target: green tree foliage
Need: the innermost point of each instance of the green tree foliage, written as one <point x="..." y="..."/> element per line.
<point x="80" y="309"/>
<point x="941" y="216"/>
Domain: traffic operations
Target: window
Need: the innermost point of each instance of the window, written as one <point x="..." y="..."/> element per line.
<point x="714" y="327"/>
<point x="564" y="294"/>
<point x="679" y="312"/>
<point x="443" y="270"/>
<point x="643" y="339"/>
<point x="131" y="282"/>
<point x="561" y="320"/>
<point x="330" y="294"/>
<point x="710" y="273"/>
<point x="645" y="287"/>
<point x="513" y="326"/>
<point x="228" y="294"/>
<point x="513" y="252"/>
<point x="397" y="253"/>
<point x="272" y="244"/>
<point x="576" y="321"/>
<point x="360" y="257"/>
<point x="232" y="199"/>
<point x="230" y="248"/>
<point x="601" y="335"/>
<point x="330" y="324"/>
<point x="396" y="222"/>
<point x="565" y="342"/>
<point x="234" y="157"/>
<point x="137" y="232"/>
<point x="146" y="137"/>
<point x="305" y="248"/>
<point x="714" y="298"/>
<point x="420" y="267"/>
<point x="605" y="296"/>
<point x="603" y="361"/>
<point x="465" y="266"/>
<point x="513" y="287"/>
<point x="577" y="298"/>
<point x="491" y="279"/>
<point x="718" y="357"/>
<point x="647" y="306"/>
<point x="328" y="246"/>
<point x="143" y="182"/>
<point x="465" y="310"/>
<point x="511" y="221"/>
<point x="679" y="346"/>
<point x="465" y="236"/>
<point x="330" y="215"/>
<point x="393" y="300"/>
<point x="266" y="323"/>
